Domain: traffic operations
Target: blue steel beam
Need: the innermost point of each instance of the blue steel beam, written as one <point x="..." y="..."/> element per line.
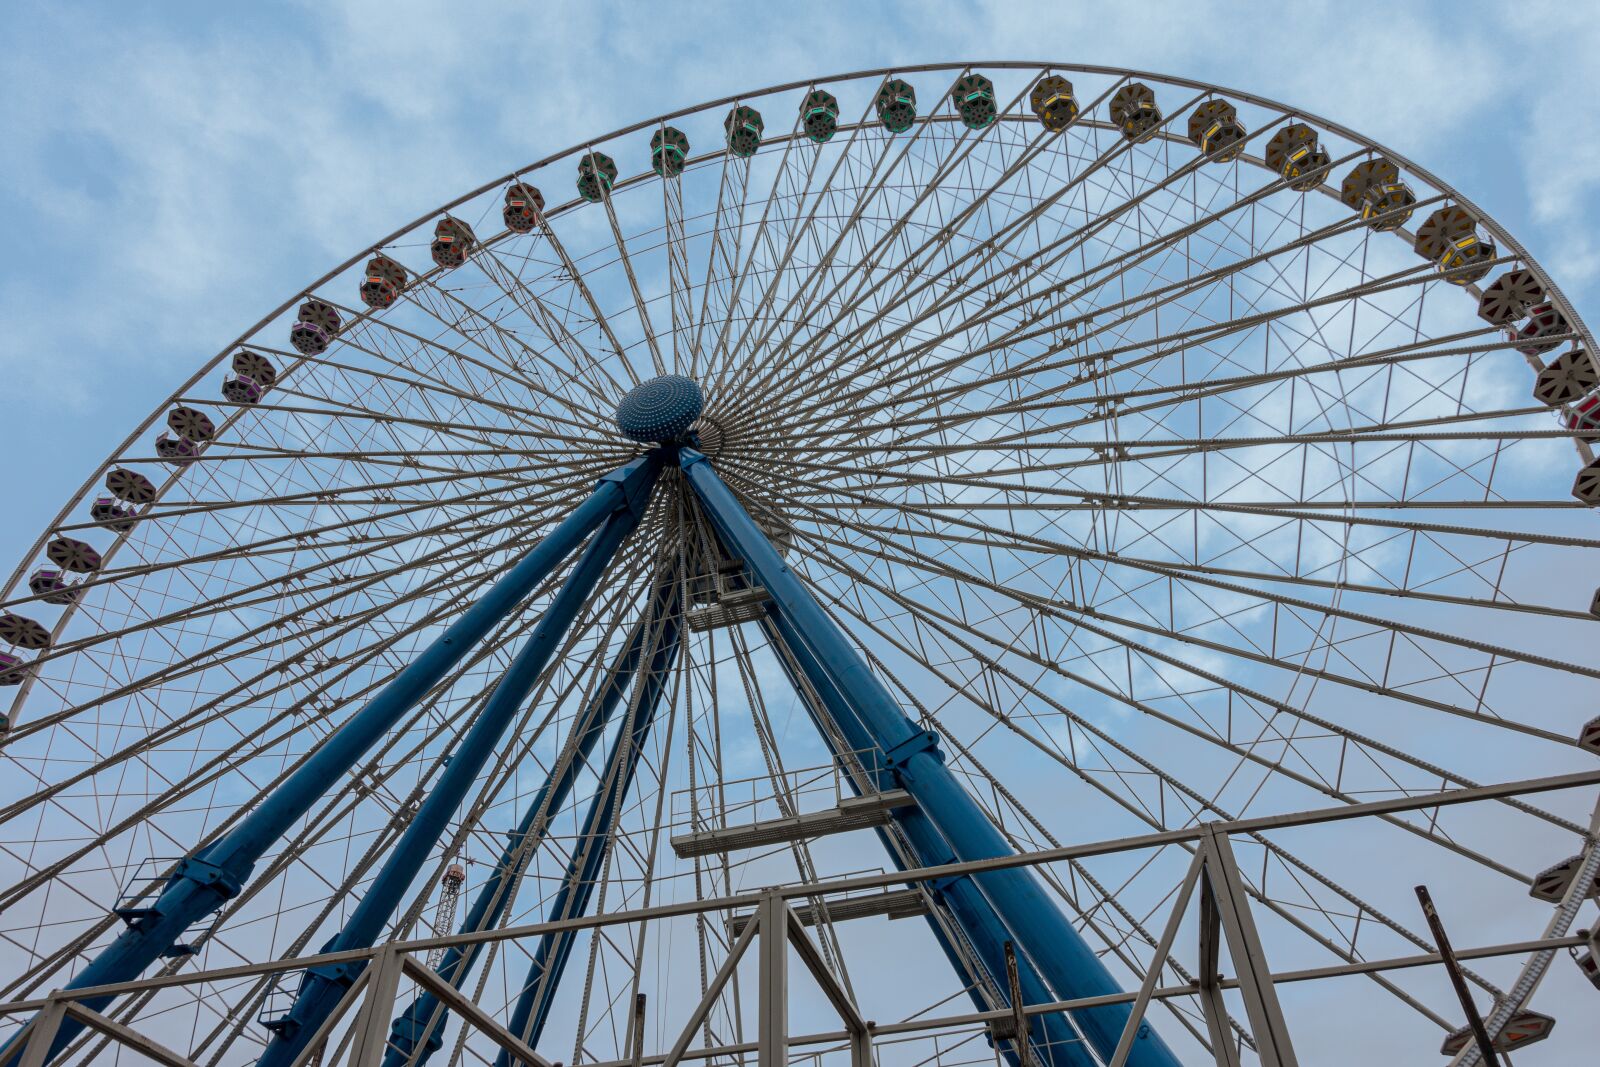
<point x="206" y="879"/>
<point x="1053" y="1041"/>
<point x="583" y="870"/>
<point x="324" y="986"/>
<point x="422" y="1023"/>
<point x="1035" y="924"/>
<point x="830" y="713"/>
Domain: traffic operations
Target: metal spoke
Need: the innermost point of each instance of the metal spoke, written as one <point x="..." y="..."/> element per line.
<point x="1097" y="503"/>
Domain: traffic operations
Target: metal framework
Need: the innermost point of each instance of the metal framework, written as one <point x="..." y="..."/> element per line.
<point x="1080" y="452"/>
<point x="384" y="967"/>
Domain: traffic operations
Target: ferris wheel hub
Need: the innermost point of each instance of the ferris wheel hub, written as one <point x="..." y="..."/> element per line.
<point x="661" y="409"/>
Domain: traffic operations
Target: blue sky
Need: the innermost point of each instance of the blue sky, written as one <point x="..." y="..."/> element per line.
<point x="175" y="170"/>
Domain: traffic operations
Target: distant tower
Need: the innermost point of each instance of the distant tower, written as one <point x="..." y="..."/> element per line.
<point x="445" y="921"/>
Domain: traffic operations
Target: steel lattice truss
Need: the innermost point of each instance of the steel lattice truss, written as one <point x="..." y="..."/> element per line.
<point x="1163" y="490"/>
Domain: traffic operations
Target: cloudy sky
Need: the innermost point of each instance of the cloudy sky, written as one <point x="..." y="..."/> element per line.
<point x="174" y="171"/>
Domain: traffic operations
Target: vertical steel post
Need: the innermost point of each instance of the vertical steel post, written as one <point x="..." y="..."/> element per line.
<point x="861" y="1048"/>
<point x="1212" y="1005"/>
<point x="1032" y="918"/>
<point x="423" y="1020"/>
<point x="709" y="998"/>
<point x="583" y="870"/>
<point x="636" y="1057"/>
<point x="772" y="1036"/>
<point x="1225" y="886"/>
<point x="206" y="879"/>
<point x="42" y="1031"/>
<point x="324" y="985"/>
<point x="371" y="1029"/>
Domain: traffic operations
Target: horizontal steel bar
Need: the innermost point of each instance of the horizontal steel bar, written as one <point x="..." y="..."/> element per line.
<point x="894" y="903"/>
<point x="853" y="813"/>
<point x="978" y="1018"/>
<point x="915" y="1026"/>
<point x="1159" y="839"/>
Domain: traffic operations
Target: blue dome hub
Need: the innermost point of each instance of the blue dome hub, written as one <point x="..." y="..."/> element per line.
<point x="662" y="409"/>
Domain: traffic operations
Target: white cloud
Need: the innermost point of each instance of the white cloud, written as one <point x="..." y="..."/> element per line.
<point x="173" y="182"/>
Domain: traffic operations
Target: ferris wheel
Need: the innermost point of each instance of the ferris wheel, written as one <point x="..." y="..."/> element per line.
<point x="987" y="459"/>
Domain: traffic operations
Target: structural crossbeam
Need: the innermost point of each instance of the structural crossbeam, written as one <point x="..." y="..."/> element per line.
<point x="852" y="813"/>
<point x="891" y="903"/>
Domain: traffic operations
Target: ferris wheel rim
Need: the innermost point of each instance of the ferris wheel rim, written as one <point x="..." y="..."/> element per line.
<point x="1485" y="220"/>
<point x="1574" y="318"/>
<point x="1118" y="72"/>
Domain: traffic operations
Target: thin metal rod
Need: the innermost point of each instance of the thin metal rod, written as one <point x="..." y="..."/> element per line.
<point x="132" y="1039"/>
<point x="1020" y="1024"/>
<point x="713" y="991"/>
<point x="421" y="1022"/>
<point x="467" y="1009"/>
<point x="322" y="987"/>
<point x="839" y="886"/>
<point x="1152" y="974"/>
<point x="315" y="1044"/>
<point x="1031" y="916"/>
<point x="811" y="956"/>
<point x="1480" y="1033"/>
<point x="592" y="846"/>
<point x="205" y="880"/>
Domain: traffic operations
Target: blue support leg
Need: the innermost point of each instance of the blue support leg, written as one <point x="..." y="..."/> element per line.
<point x="1053" y="1041"/>
<point x="1029" y="915"/>
<point x="583" y="871"/>
<point x="206" y="879"/>
<point x="324" y="985"/>
<point x="532" y="1010"/>
<point x="422" y="1023"/>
